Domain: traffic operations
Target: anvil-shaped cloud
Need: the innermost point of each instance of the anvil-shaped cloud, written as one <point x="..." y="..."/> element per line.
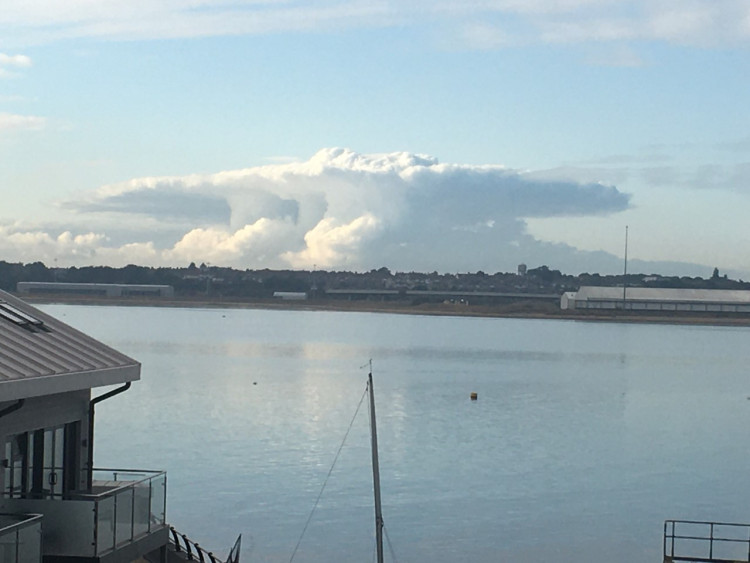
<point x="340" y="209"/>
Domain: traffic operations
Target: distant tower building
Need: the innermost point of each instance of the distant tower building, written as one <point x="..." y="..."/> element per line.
<point x="522" y="269"/>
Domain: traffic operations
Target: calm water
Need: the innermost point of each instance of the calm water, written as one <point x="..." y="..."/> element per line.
<point x="585" y="437"/>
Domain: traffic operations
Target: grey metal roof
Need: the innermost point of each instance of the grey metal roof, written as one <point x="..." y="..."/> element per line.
<point x="46" y="356"/>
<point x="664" y="294"/>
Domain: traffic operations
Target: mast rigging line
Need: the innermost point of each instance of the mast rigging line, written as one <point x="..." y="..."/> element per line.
<point x="328" y="476"/>
<point x="390" y="545"/>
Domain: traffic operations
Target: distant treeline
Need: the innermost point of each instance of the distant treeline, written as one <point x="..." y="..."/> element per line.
<point x="213" y="280"/>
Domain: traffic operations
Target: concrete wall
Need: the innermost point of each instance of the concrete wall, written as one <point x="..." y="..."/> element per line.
<point x="568" y="300"/>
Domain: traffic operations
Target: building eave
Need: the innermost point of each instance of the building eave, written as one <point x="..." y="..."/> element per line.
<point x="14" y="389"/>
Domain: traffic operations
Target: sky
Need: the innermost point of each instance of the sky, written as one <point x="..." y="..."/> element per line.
<point x="351" y="135"/>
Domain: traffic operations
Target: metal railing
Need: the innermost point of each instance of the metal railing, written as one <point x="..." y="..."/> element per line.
<point x="194" y="552"/>
<point x="122" y="507"/>
<point x="20" y="538"/>
<point x="132" y="505"/>
<point x="709" y="542"/>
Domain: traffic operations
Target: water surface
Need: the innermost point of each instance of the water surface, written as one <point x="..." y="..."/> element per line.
<point x="585" y="437"/>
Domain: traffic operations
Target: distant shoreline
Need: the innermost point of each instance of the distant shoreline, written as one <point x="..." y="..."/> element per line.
<point x="519" y="310"/>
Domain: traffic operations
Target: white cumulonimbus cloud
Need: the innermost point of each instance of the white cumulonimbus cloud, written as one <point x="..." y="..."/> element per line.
<point x="340" y="209"/>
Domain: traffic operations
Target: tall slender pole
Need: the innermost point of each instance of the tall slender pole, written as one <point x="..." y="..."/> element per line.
<point x="625" y="273"/>
<point x="375" y="473"/>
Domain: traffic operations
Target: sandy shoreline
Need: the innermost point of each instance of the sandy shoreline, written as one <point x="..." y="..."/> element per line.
<point x="524" y="310"/>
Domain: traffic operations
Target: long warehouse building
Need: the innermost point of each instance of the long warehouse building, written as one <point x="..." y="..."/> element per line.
<point x="658" y="299"/>
<point x="95" y="289"/>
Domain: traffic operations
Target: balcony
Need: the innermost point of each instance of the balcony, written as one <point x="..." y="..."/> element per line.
<point x="121" y="518"/>
<point x="20" y="538"/>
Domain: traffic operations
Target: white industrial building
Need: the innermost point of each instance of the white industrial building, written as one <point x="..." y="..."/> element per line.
<point x="95" y="289"/>
<point x="658" y="299"/>
<point x="290" y="295"/>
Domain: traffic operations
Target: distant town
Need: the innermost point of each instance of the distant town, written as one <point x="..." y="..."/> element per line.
<point x="215" y="282"/>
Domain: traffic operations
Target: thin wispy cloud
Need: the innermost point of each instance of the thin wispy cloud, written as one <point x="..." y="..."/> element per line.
<point x="479" y="24"/>
<point x="718" y="176"/>
<point x="15" y="122"/>
<point x="339" y="209"/>
<point x="10" y="63"/>
<point x="41" y="21"/>
<point x="15" y="60"/>
<point x="658" y="171"/>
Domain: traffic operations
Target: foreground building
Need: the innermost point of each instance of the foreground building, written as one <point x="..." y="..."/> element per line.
<point x="658" y="299"/>
<point x="55" y="507"/>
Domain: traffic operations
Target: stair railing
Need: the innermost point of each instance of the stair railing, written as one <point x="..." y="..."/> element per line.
<point x="193" y="551"/>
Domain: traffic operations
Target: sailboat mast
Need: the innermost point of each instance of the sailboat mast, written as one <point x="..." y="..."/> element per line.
<point x="375" y="472"/>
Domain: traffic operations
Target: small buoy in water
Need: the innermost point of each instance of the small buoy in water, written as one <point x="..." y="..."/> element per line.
<point x="255" y="383"/>
<point x="474" y="396"/>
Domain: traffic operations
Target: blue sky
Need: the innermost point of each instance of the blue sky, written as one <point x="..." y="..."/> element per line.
<point x="343" y="134"/>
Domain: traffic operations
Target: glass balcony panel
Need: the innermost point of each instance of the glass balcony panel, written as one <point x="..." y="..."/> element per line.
<point x="8" y="546"/>
<point x="141" y="508"/>
<point x="30" y="543"/>
<point x="124" y="516"/>
<point x="67" y="526"/>
<point x="158" y="515"/>
<point x="105" y="524"/>
<point x="20" y="538"/>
